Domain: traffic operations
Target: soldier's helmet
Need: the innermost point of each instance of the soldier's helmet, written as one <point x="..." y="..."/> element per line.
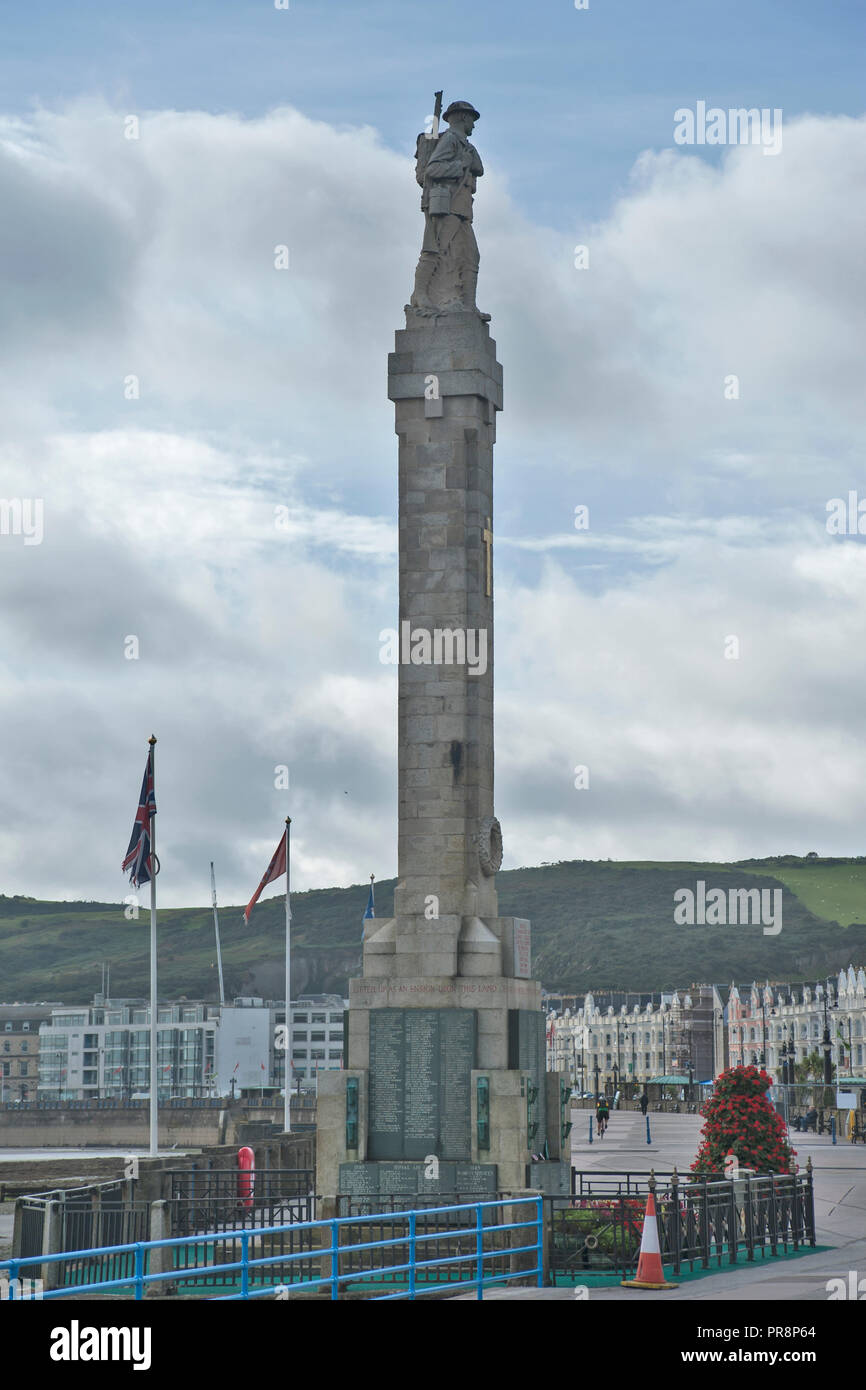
<point x="457" y="106"/>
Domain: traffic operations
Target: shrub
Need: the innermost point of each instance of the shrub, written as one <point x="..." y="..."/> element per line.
<point x="741" y="1120"/>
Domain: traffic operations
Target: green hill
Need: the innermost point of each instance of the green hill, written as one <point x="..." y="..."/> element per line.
<point x="595" y="924"/>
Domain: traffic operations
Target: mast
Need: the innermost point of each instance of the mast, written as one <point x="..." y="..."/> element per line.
<point x="216" y="927"/>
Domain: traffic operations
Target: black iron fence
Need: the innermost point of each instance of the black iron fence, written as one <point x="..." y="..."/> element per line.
<point x="212" y="1202"/>
<point x="225" y="1187"/>
<point x="703" y="1223"/>
<point x="228" y="1249"/>
<point x="86" y="1217"/>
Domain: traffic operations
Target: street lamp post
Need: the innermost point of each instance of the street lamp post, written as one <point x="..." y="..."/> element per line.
<point x="826" y="1045"/>
<point x="763" y="1030"/>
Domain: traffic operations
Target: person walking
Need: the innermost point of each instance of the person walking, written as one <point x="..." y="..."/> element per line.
<point x="644" y="1103"/>
<point x="602" y="1115"/>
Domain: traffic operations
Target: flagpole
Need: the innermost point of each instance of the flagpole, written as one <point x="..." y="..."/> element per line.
<point x="287" y="1066"/>
<point x="154" y="1097"/>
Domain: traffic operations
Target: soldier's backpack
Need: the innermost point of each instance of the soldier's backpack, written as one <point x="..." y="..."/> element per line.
<point x="424" y="147"/>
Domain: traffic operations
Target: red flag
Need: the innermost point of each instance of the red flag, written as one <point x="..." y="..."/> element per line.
<point x="275" y="869"/>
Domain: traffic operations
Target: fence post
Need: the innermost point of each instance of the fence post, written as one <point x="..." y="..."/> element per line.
<point x="412" y="1219"/>
<point x="705" y="1227"/>
<point x="810" y="1201"/>
<point x="674" y="1216"/>
<point x="160" y="1258"/>
<point x="52" y="1244"/>
<point x="335" y="1261"/>
<point x="18" y="1227"/>
<point x="733" y="1225"/>
<point x="479" y="1250"/>
<point x="747" y="1205"/>
<point x="245" y="1264"/>
<point x="139" y="1271"/>
<point x="774" y="1215"/>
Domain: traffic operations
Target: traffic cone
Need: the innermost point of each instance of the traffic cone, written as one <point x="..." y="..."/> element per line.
<point x="650" y="1274"/>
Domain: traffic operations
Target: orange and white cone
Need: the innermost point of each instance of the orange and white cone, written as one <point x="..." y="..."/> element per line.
<point x="650" y="1274"/>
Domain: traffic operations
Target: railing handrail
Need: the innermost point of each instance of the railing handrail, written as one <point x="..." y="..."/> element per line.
<point x="59" y="1194"/>
<point x="139" y="1279"/>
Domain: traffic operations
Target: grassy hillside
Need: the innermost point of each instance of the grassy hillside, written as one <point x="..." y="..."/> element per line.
<point x="595" y="924"/>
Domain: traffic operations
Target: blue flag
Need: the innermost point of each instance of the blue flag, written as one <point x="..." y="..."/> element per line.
<point x="371" y="908"/>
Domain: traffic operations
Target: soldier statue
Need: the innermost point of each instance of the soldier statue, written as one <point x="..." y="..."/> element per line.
<point x="447" y="167"/>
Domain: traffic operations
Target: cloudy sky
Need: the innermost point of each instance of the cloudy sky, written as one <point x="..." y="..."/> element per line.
<point x="164" y="389"/>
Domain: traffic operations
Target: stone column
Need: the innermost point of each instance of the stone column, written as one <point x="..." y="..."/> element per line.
<point x="416" y="1058"/>
<point x="446" y="385"/>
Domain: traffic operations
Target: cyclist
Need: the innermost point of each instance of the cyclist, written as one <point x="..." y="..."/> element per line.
<point x="602" y="1115"/>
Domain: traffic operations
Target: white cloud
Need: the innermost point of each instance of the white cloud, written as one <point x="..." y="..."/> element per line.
<point x="263" y="389"/>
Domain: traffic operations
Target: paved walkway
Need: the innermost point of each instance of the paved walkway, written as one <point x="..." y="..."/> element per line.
<point x="840" y="1212"/>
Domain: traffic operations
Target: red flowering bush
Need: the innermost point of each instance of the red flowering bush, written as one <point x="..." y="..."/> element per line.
<point x="740" y="1120"/>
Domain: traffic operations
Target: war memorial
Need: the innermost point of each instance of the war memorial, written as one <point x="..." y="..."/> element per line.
<point x="444" y="1089"/>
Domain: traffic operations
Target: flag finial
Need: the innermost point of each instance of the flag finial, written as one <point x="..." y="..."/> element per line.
<point x="152" y="738"/>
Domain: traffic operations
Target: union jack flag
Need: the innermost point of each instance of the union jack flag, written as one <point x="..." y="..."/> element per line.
<point x="139" y="859"/>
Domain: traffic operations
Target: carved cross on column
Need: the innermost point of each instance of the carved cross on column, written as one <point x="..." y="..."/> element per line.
<point x="487" y="538"/>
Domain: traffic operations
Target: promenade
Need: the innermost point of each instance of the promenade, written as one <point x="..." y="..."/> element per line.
<point x="840" y="1212"/>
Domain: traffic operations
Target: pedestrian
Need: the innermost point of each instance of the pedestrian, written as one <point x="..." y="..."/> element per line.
<point x="602" y="1114"/>
<point x="644" y="1103"/>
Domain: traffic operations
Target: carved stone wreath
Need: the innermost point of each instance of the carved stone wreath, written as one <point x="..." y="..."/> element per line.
<point x="489" y="840"/>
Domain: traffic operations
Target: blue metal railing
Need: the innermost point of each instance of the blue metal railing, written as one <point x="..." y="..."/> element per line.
<point x="334" y="1279"/>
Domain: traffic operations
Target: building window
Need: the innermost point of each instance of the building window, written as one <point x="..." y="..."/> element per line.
<point x="317" y="1037"/>
<point x="317" y="1054"/>
<point x="318" y="1018"/>
<point x="300" y="1018"/>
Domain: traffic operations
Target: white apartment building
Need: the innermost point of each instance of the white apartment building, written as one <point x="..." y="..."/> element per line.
<point x="102" y="1051"/>
<point x="678" y="1035"/>
<point x="317" y="1037"/>
<point x="766" y="1021"/>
